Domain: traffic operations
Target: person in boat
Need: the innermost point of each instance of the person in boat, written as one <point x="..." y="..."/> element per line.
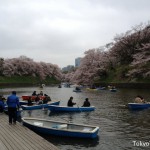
<point x="70" y="102"/>
<point x="113" y="87"/>
<point x="37" y="99"/>
<point x="59" y="86"/>
<point x="41" y="93"/>
<point x="46" y="99"/>
<point x="40" y="102"/>
<point x="77" y="88"/>
<point x="1" y="104"/>
<point x="13" y="105"/>
<point x="30" y="101"/>
<point x="86" y="103"/>
<point x="139" y="99"/>
<point x="34" y="93"/>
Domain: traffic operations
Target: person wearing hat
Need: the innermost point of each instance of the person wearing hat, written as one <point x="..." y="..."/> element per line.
<point x="13" y="105"/>
<point x="70" y="102"/>
<point x="86" y="103"/>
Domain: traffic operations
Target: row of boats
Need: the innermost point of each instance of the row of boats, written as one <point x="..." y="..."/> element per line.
<point x="54" y="106"/>
<point x="58" y="128"/>
<point x="96" y="89"/>
<point x="65" y="128"/>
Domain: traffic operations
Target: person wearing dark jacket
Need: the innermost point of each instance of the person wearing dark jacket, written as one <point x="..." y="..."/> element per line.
<point x="1" y="104"/>
<point x="70" y="103"/>
<point x="13" y="105"/>
<point x="30" y="101"/>
<point x="86" y="103"/>
<point x="34" y="93"/>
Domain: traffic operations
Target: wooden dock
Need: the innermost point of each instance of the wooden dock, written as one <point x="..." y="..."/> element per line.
<point x="19" y="137"/>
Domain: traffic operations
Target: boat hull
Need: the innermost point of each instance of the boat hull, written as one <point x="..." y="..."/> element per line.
<point x="23" y="102"/>
<point x="33" y="107"/>
<point x="89" y="89"/>
<point x="64" y="132"/>
<point x="113" y="90"/>
<point x="77" y="91"/>
<point x="138" y="106"/>
<point x="54" y="108"/>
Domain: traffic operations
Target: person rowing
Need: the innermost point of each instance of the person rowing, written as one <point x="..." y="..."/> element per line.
<point x="139" y="99"/>
<point x="70" y="103"/>
<point x="86" y="103"/>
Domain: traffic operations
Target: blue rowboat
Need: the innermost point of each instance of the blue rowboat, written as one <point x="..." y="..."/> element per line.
<point x="101" y="88"/>
<point x="23" y="102"/>
<point x="113" y="90"/>
<point x="32" y="107"/>
<point x="58" y="128"/>
<point x="54" y="108"/>
<point x="77" y="91"/>
<point x="137" y="106"/>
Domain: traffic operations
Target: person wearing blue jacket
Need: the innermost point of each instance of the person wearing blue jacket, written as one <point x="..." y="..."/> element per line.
<point x="1" y="104"/>
<point x="13" y="105"/>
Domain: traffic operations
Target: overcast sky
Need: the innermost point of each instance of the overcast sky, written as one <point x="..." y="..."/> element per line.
<point x="58" y="31"/>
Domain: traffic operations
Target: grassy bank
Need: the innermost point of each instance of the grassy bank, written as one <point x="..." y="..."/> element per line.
<point x="26" y="80"/>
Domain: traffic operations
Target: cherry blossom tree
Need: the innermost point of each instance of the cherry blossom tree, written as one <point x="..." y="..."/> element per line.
<point x="93" y="66"/>
<point x="25" y="66"/>
<point x="128" y="56"/>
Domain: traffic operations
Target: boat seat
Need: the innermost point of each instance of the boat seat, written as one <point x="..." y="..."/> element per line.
<point x="62" y="126"/>
<point x="86" y="129"/>
<point x="38" y="123"/>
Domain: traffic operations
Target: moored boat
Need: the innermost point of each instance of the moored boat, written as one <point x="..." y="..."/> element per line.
<point x="137" y="106"/>
<point x="77" y="91"/>
<point x="101" y="88"/>
<point x="58" y="128"/>
<point x="113" y="90"/>
<point x="40" y="106"/>
<point x="23" y="102"/>
<point x="89" y="89"/>
<point x="54" y="108"/>
<point x="27" y="97"/>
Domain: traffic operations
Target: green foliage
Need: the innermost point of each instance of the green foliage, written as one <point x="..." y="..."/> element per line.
<point x="117" y="75"/>
<point x="51" y="80"/>
<point x="121" y="71"/>
<point x="28" y="79"/>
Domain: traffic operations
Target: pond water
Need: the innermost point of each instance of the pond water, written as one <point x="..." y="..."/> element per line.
<point x="120" y="128"/>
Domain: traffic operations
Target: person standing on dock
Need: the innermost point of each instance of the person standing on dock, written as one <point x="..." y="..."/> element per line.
<point x="1" y="104"/>
<point x="13" y="105"/>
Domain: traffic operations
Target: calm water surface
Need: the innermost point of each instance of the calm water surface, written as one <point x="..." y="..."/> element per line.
<point x="119" y="127"/>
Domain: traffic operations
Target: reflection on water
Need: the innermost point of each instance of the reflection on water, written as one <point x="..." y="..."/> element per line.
<point x="119" y="127"/>
<point x="73" y="143"/>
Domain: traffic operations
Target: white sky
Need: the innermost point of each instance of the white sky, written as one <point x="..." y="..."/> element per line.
<point x="58" y="31"/>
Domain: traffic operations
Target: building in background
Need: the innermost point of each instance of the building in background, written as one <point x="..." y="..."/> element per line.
<point x="71" y="67"/>
<point x="68" y="68"/>
<point x="77" y="62"/>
